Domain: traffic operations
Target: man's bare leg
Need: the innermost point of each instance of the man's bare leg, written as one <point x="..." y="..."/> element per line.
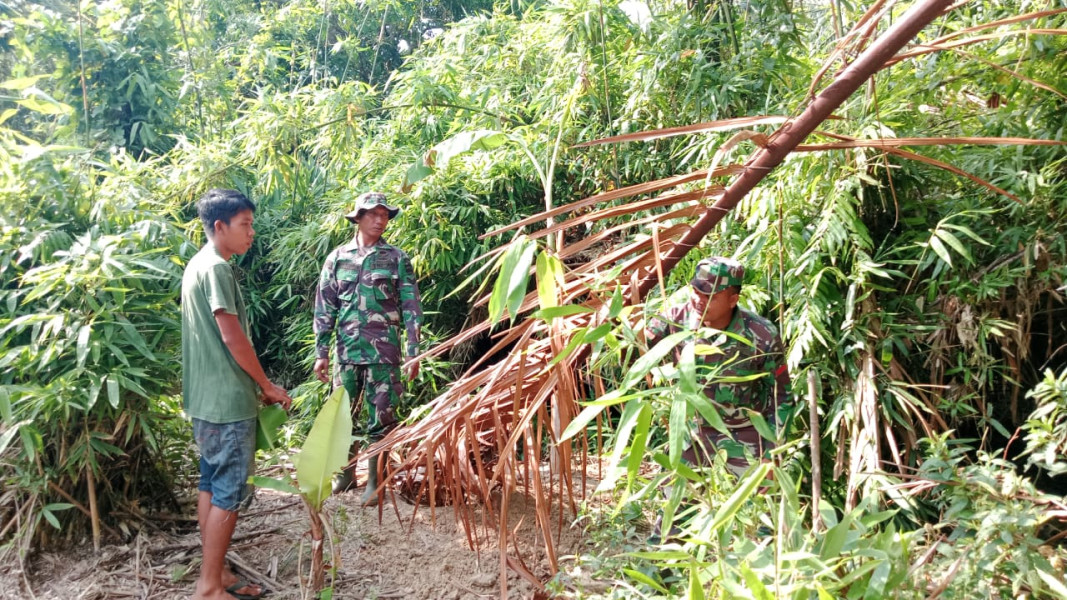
<point x="216" y="531"/>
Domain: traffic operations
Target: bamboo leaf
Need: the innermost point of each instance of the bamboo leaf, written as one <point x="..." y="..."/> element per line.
<point x="113" y="391"/>
<point x="627" y="422"/>
<point x="637" y="448"/>
<point x="940" y="250"/>
<point x="519" y="279"/>
<point x="549" y="276"/>
<point x="579" y="423"/>
<point x="696" y="588"/>
<point x="677" y="434"/>
<point x="953" y="241"/>
<point x="645" y="579"/>
<point x="83" y="344"/>
<point x="643" y="365"/>
<point x="741" y="495"/>
<point x="566" y="310"/>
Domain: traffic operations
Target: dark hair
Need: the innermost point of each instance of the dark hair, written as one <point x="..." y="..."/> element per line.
<point x="221" y="205"/>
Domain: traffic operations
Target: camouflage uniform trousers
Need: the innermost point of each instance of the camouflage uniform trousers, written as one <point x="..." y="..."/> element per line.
<point x="378" y="387"/>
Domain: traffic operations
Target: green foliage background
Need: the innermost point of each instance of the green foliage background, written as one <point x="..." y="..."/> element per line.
<point x="116" y="116"/>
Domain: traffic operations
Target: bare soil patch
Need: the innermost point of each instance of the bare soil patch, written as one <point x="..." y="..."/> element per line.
<point x="418" y="555"/>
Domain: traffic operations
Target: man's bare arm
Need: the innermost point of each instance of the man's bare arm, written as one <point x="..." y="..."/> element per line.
<point x="242" y="351"/>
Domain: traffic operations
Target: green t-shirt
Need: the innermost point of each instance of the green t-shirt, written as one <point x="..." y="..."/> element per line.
<point x="215" y="388"/>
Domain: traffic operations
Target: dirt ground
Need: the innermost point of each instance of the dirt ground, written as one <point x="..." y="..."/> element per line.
<point x="406" y="558"/>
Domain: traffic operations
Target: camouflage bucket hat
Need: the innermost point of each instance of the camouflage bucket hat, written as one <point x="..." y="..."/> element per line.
<point x="368" y="201"/>
<point x="717" y="273"/>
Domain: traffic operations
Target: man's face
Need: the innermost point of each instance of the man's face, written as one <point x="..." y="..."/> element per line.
<point x="716" y="308"/>
<point x="236" y="237"/>
<point x="373" y="221"/>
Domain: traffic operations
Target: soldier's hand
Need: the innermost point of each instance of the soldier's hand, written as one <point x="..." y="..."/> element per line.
<point x="276" y="394"/>
<point x="322" y="369"/>
<point x="411" y="370"/>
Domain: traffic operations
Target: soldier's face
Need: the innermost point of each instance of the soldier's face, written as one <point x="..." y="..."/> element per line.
<point x="373" y="221"/>
<point x="716" y="308"/>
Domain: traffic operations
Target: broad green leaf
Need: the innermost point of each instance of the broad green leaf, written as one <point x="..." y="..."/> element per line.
<point x="41" y="102"/>
<point x="965" y="231"/>
<point x="617" y="303"/>
<point x="467" y="141"/>
<point x="670" y="507"/>
<point x="595" y="334"/>
<point x="5" y="406"/>
<point x="687" y="370"/>
<point x="416" y="173"/>
<point x="549" y="276"/>
<point x="270" y="420"/>
<point x="279" y="485"/>
<point x="500" y="297"/>
<point x="520" y="277"/>
<point x="878" y="579"/>
<point x="326" y="449"/>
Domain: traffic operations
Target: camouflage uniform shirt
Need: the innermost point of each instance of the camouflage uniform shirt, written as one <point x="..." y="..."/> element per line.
<point x="761" y="357"/>
<point x="363" y="293"/>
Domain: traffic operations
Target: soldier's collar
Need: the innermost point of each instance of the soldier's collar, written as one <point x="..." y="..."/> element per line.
<point x="353" y="244"/>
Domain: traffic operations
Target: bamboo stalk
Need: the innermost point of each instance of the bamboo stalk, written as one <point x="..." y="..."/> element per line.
<point x="816" y="456"/>
<point x="93" y="509"/>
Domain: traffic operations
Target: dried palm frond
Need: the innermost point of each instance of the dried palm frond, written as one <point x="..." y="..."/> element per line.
<point x="485" y="437"/>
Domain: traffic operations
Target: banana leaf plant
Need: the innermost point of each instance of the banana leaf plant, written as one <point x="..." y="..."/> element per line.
<point x="323" y="454"/>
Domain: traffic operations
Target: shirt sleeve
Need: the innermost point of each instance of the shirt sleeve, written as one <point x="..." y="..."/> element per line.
<point x="221" y="288"/>
<point x="410" y="305"/>
<point x="326" y="306"/>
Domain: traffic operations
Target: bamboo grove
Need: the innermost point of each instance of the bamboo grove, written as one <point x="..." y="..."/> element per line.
<point x="562" y="167"/>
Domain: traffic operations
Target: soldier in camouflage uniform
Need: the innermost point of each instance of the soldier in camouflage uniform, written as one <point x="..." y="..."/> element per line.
<point x="367" y="288"/>
<point x="710" y="310"/>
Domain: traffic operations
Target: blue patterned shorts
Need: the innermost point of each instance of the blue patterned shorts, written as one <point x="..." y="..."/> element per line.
<point x="227" y="459"/>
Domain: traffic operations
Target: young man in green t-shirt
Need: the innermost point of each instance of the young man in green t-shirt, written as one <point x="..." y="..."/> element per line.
<point x="222" y="384"/>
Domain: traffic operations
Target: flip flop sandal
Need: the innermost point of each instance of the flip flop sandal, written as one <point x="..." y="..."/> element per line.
<point x="243" y="583"/>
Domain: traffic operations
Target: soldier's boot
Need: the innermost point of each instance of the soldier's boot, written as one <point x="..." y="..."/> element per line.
<point x="370" y="495"/>
<point x="345" y="481"/>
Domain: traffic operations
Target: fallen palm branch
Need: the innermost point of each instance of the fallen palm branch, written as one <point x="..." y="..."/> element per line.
<point x="484" y="438"/>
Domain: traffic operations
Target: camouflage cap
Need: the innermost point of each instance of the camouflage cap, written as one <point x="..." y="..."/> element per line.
<point x="717" y="273"/>
<point x="369" y="200"/>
